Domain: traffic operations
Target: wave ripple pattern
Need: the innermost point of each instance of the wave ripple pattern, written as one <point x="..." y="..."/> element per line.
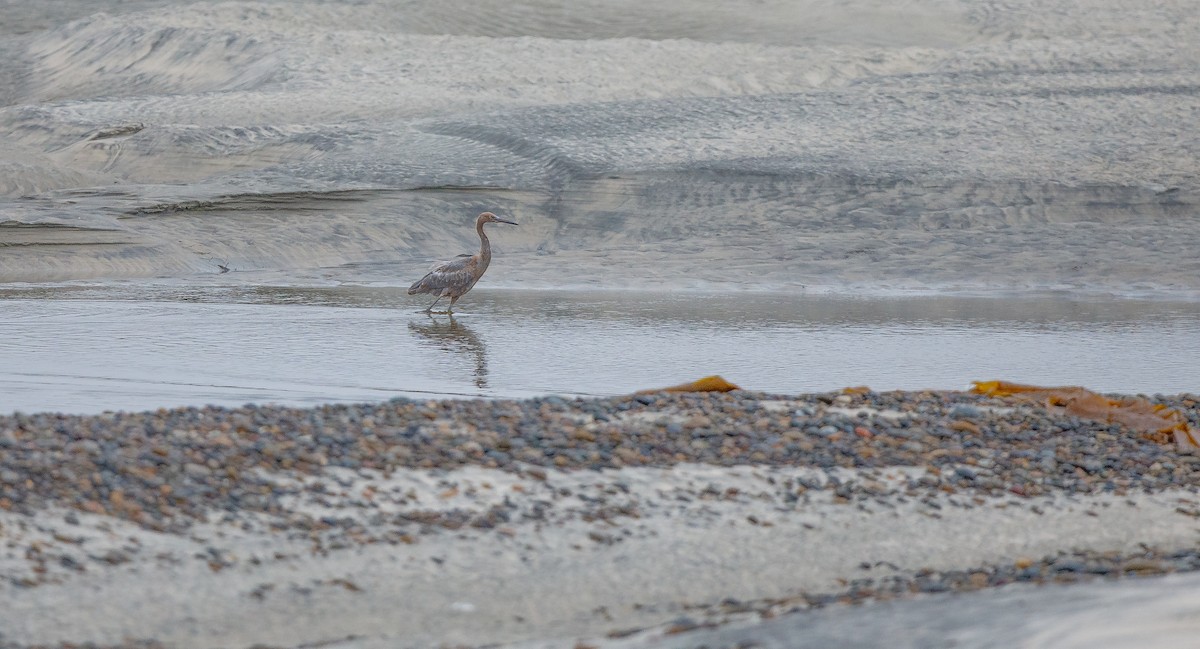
<point x="937" y="144"/>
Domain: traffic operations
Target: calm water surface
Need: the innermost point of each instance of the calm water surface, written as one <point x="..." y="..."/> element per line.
<point x="83" y="350"/>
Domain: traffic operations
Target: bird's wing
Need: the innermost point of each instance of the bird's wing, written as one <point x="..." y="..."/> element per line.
<point x="456" y="273"/>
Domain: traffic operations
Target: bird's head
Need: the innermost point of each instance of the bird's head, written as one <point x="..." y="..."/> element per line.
<point x="488" y="217"/>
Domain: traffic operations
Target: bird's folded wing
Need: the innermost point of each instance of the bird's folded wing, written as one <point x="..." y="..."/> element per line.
<point x="456" y="272"/>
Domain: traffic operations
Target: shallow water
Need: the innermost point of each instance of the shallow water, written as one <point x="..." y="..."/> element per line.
<point x="88" y="350"/>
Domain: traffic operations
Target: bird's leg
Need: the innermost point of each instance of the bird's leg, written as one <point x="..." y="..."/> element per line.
<point x="450" y="309"/>
<point x="430" y="309"/>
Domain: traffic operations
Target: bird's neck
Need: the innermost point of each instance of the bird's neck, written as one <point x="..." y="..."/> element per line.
<point x="485" y="246"/>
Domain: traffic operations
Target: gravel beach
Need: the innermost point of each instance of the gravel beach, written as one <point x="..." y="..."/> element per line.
<point x="455" y="522"/>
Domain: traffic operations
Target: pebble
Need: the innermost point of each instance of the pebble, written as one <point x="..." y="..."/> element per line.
<point x="168" y="468"/>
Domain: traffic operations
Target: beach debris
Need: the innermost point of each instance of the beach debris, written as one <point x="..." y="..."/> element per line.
<point x="712" y="383"/>
<point x="1155" y="422"/>
<point x="117" y="131"/>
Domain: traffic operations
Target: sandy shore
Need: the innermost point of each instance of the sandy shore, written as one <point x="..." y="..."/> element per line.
<point x="703" y="514"/>
<point x="684" y="553"/>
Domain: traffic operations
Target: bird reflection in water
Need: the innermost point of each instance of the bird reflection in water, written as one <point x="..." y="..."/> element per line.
<point x="456" y="338"/>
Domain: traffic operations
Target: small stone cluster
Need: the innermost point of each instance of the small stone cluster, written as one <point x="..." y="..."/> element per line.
<point x="163" y="468"/>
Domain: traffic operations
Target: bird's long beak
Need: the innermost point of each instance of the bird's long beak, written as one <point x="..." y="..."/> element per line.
<point x="508" y="222"/>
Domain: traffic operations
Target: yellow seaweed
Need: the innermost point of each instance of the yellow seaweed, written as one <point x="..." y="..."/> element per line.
<point x="1155" y="422"/>
<point x="707" y="384"/>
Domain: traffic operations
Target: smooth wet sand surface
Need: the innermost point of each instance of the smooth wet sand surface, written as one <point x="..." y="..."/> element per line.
<point x="690" y="145"/>
<point x="1160" y="613"/>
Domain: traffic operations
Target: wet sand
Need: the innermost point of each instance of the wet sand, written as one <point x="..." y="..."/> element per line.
<point x="1114" y="615"/>
<point x="845" y="146"/>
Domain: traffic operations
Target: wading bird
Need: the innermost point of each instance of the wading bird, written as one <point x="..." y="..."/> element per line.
<point x="454" y="278"/>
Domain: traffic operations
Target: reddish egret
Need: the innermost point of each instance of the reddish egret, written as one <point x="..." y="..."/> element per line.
<point x="455" y="277"/>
